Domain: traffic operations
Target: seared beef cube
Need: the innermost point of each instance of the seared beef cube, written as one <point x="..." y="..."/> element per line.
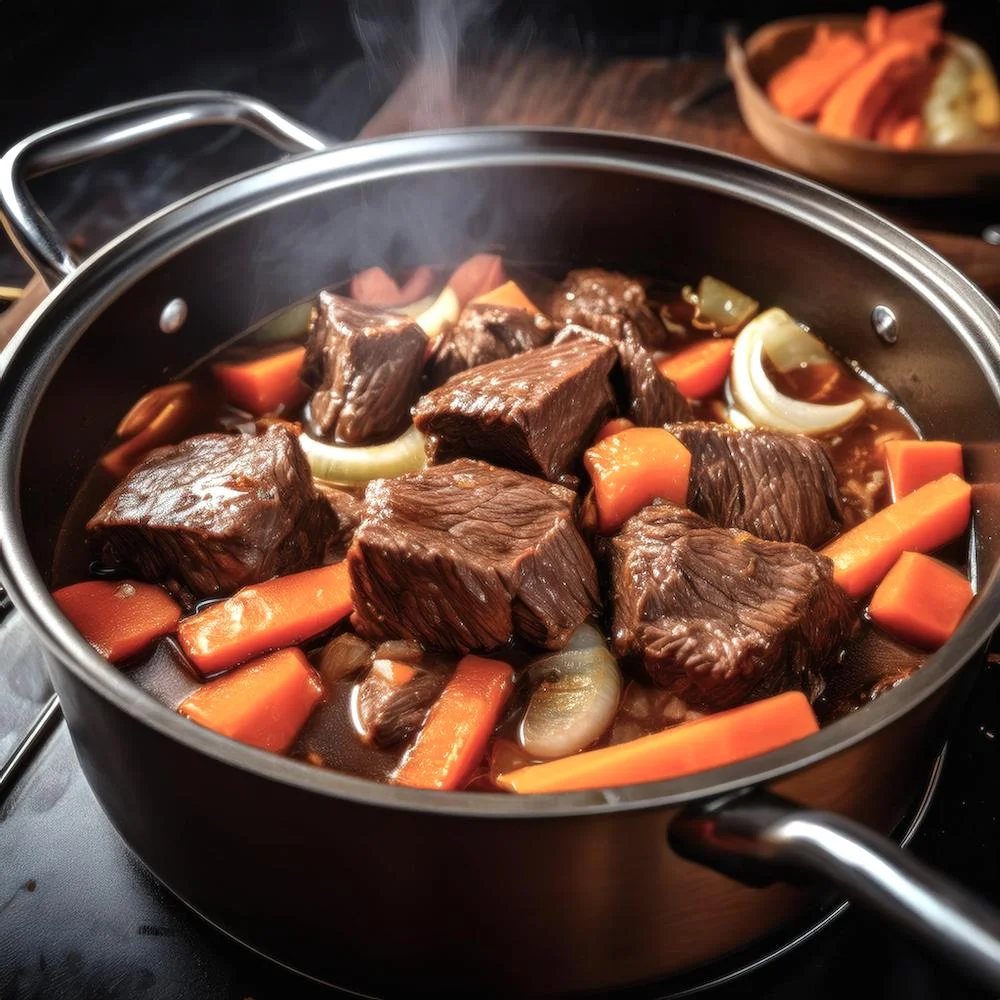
<point x="390" y="709"/>
<point x="347" y="510"/>
<point x="647" y="397"/>
<point x="535" y="412"/>
<point x="610" y="303"/>
<point x="720" y="617"/>
<point x="365" y="366"/>
<point x="465" y="555"/>
<point x="781" y="487"/>
<point x="215" y="513"/>
<point x="482" y="334"/>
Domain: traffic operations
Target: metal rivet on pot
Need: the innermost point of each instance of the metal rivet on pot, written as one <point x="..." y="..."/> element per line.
<point x="991" y="234"/>
<point x="173" y="315"/>
<point x="884" y="324"/>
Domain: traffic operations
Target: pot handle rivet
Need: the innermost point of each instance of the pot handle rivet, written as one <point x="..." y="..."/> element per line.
<point x="884" y="324"/>
<point x="174" y="314"/>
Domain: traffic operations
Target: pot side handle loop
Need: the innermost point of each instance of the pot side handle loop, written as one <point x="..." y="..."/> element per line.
<point x="113" y="129"/>
<point x="759" y="838"/>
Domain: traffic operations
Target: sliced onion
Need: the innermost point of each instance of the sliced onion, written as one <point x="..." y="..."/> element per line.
<point x="443" y="310"/>
<point x="291" y="324"/>
<point x="415" y="309"/>
<point x="719" y="306"/>
<point x="772" y="333"/>
<point x="347" y="466"/>
<point x="576" y="697"/>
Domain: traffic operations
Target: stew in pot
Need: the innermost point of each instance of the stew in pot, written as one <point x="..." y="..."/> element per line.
<point x="511" y="532"/>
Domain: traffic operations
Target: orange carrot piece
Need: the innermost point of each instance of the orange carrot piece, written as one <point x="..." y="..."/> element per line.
<point x="167" y="426"/>
<point x="118" y="618"/>
<point x="279" y="612"/>
<point x="908" y="134"/>
<point x="714" y="741"/>
<point x="633" y="468"/>
<point x="615" y="426"/>
<point x="476" y="276"/>
<point x="876" y="26"/>
<point x="262" y="385"/>
<point x="509" y="296"/>
<point x="265" y="703"/>
<point x="375" y="287"/>
<point x="921" y="600"/>
<point x="930" y="516"/>
<point x="454" y="736"/>
<point x="800" y="87"/>
<point x="912" y="464"/>
<point x="920" y="25"/>
<point x="701" y="369"/>
<point x="852" y="110"/>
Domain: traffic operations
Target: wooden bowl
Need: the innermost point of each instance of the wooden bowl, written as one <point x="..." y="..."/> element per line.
<point x="854" y="164"/>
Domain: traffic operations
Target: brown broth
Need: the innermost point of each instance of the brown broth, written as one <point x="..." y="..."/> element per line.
<point x="870" y="663"/>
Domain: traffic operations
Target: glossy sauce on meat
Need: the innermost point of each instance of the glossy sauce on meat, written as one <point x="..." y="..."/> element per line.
<point x="869" y="663"/>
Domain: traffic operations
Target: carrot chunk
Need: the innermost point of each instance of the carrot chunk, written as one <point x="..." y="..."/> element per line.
<point x="476" y="276"/>
<point x="921" y="600"/>
<point x="265" y="703"/>
<point x="458" y="727"/>
<point x="701" y="369"/>
<point x="912" y="464"/>
<point x="920" y="25"/>
<point x="118" y="618"/>
<point x="634" y="467"/>
<point x="509" y="296"/>
<point x="615" y="426"/>
<point x="713" y="741"/>
<point x="279" y="612"/>
<point x="924" y="520"/>
<point x="262" y="385"/>
<point x="800" y="87"/>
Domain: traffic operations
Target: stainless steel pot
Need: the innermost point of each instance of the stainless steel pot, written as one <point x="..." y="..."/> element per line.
<point x="366" y="885"/>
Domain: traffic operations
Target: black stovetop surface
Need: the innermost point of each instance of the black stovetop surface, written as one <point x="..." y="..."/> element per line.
<point x="79" y="916"/>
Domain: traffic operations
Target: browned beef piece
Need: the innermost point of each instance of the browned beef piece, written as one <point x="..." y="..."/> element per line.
<point x="609" y="303"/>
<point x="720" y="617"/>
<point x="781" y="487"/>
<point x="216" y="513"/>
<point x="364" y="365"/>
<point x="646" y="397"/>
<point x="391" y="713"/>
<point x="347" y="510"/>
<point x="535" y="412"/>
<point x="465" y="555"/>
<point x="482" y="334"/>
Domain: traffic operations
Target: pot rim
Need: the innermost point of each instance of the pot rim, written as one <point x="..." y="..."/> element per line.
<point x="28" y="362"/>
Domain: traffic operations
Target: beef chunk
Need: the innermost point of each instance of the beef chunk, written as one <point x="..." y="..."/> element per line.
<point x="347" y="510"/>
<point x="364" y="365"/>
<point x="391" y="712"/>
<point x="465" y="555"/>
<point x="719" y="617"/>
<point x="610" y="303"/>
<point x="482" y="334"/>
<point x="646" y="397"/>
<point x="535" y="412"/>
<point x="781" y="487"/>
<point x="216" y="513"/>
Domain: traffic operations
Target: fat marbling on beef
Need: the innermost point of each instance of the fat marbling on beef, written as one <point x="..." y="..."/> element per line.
<point x="482" y="334"/>
<point x="365" y="366"/>
<point x="535" y="412"/>
<point x="645" y="395"/>
<point x="216" y="513"/>
<point x="610" y="303"/>
<point x="465" y="555"/>
<point x="780" y="487"/>
<point x="718" y="616"/>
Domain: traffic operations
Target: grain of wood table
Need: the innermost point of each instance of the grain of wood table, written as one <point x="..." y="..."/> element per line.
<point x="633" y="95"/>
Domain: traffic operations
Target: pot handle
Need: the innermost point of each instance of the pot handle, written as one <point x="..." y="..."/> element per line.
<point x="757" y="838"/>
<point x="116" y="128"/>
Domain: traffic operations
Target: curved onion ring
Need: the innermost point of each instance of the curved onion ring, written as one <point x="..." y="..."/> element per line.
<point x="355" y="466"/>
<point x="443" y="310"/>
<point x="774" y="333"/>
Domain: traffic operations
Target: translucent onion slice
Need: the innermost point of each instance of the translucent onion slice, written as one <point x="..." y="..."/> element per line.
<point x="771" y="333"/>
<point x="443" y="310"/>
<point x="354" y="466"/>
<point x="719" y="306"/>
<point x="291" y="324"/>
<point x="576" y="697"/>
<point x="415" y="309"/>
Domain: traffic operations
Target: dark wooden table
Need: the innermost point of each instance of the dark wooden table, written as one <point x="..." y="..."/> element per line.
<point x="633" y="95"/>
